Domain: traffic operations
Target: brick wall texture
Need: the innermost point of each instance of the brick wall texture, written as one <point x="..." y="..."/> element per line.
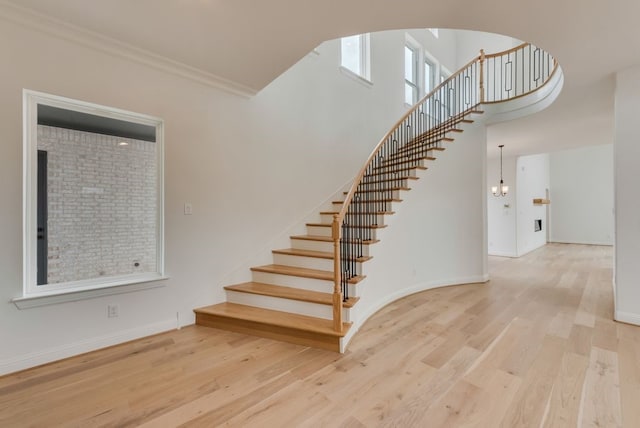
<point x="102" y="201"/>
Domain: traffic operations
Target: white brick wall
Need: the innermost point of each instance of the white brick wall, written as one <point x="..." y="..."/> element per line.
<point x="102" y="204"/>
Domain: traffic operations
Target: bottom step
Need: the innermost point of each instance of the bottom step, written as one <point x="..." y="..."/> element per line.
<point x="284" y="326"/>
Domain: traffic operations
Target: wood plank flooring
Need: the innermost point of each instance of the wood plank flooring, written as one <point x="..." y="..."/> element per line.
<point x="534" y="347"/>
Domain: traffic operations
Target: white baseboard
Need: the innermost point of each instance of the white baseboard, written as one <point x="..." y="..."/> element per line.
<point x="390" y="298"/>
<point x="556" y="241"/>
<point x="532" y="249"/>
<point x="627" y="317"/>
<point x="22" y="362"/>
<point x="502" y="254"/>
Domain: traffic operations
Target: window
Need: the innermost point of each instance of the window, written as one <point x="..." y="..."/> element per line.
<point x="93" y="195"/>
<point x="411" y="89"/>
<point x="429" y="74"/>
<point x="355" y="55"/>
<point x="447" y="98"/>
<point x="444" y="74"/>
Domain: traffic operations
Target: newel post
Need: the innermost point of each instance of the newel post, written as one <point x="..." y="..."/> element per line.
<point x="337" y="289"/>
<point x="481" y="75"/>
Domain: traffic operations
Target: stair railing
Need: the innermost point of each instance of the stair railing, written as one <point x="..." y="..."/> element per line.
<point x="485" y="79"/>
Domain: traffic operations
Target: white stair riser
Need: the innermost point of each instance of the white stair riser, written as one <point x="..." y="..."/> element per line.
<point x="319" y="230"/>
<point x="316" y="230"/>
<point x="374" y="206"/>
<point x="386" y="194"/>
<point x="407" y="172"/>
<point x="380" y="219"/>
<point x="308" y="262"/>
<point x="311" y="284"/>
<point x="413" y="149"/>
<point x="321" y="285"/>
<point x="396" y="183"/>
<point x="396" y="165"/>
<point x="303" y="262"/>
<point x="303" y="244"/>
<point x="371" y="233"/>
<point x="285" y="305"/>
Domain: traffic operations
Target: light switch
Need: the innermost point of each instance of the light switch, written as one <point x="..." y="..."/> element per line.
<point x="188" y="208"/>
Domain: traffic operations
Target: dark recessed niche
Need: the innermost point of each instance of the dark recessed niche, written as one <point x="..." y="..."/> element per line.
<point x="537" y="225"/>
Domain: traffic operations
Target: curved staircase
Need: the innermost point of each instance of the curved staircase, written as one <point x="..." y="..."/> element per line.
<point x="309" y="292"/>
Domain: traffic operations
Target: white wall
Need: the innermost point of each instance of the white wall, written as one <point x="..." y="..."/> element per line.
<point x="511" y="230"/>
<point x="470" y="42"/>
<point x="501" y="211"/>
<point x="444" y="48"/>
<point x="582" y="195"/>
<point x="626" y="160"/>
<point x="437" y="236"/>
<point x="532" y="181"/>
<point x="251" y="168"/>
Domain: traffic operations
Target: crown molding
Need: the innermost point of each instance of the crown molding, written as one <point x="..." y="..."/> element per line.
<point x="57" y="28"/>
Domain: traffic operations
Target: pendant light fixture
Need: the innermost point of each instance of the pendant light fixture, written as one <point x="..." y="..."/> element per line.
<point x="501" y="190"/>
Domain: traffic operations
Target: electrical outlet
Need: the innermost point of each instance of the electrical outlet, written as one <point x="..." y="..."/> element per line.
<point x="112" y="311"/>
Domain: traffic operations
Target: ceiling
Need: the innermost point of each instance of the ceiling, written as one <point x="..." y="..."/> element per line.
<point x="79" y="121"/>
<point x="250" y="43"/>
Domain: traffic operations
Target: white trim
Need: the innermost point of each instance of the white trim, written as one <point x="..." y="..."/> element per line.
<point x="33" y="359"/>
<point x="627" y="317"/>
<point x="443" y="72"/>
<point x="502" y="254"/>
<point x="529" y="250"/>
<point x="356" y="77"/>
<point x="74" y="295"/>
<point x="365" y="57"/>
<point x="433" y="61"/>
<point x="31" y="291"/>
<point x="46" y="24"/>
<point x="390" y="298"/>
<point x="417" y="51"/>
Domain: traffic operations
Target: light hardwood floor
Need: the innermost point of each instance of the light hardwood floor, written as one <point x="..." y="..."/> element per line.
<point x="536" y="346"/>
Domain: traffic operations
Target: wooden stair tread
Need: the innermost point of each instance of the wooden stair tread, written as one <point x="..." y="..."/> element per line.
<point x="439" y="131"/>
<point x="302" y="272"/>
<point x="417" y="147"/>
<point x="392" y="162"/>
<point x="411" y="153"/>
<point x="369" y="201"/>
<point x="276" y="318"/>
<point x="289" y="293"/>
<point x="315" y="254"/>
<point x="395" y="170"/>
<point x="305" y="253"/>
<point x="387" y="180"/>
<point x="391" y="189"/>
<point x="383" y="168"/>
<point x="327" y="239"/>
<point x="373" y="226"/>
<point x="313" y="238"/>
<point x="377" y="212"/>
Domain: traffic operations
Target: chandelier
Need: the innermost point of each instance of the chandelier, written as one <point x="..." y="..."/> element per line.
<point x="500" y="190"/>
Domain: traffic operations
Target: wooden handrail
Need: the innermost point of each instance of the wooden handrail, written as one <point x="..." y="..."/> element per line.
<point x="339" y="218"/>
<point x="508" y="51"/>
<point x="354" y="186"/>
